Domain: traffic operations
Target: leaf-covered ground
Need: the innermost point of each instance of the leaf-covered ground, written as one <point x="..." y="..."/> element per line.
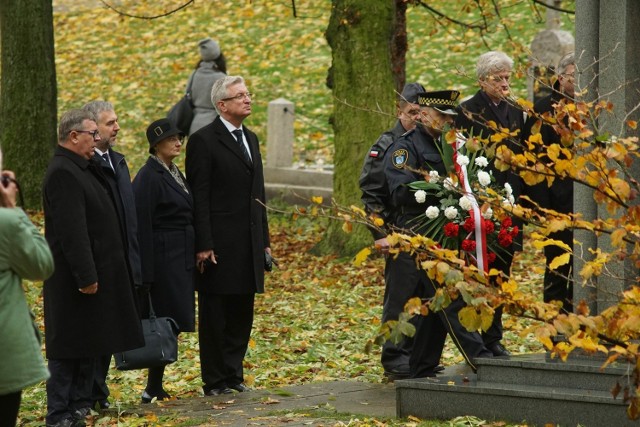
<point x="313" y="323"/>
<point x="319" y="313"/>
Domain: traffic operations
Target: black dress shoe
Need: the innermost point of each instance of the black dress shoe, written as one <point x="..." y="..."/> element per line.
<point x="498" y="350"/>
<point x="396" y="374"/>
<point x="438" y="368"/>
<point x="218" y="391"/>
<point x="242" y="387"/>
<point x="148" y="397"/>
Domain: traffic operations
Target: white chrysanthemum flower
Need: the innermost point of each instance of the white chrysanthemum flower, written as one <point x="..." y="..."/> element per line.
<point x="508" y="189"/>
<point x="508" y="202"/>
<point x="451" y="212"/>
<point x="465" y="203"/>
<point x="484" y="178"/>
<point x="432" y="212"/>
<point x="420" y="196"/>
<point x="487" y="214"/>
<point x="433" y="177"/>
<point x="462" y="160"/>
<point x="449" y="184"/>
<point x="481" y="161"/>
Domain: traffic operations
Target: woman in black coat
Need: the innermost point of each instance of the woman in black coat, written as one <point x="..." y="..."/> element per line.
<point x="165" y="231"/>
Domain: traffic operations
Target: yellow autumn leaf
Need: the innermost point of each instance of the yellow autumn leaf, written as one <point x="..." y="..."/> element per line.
<point x="617" y="237"/>
<point x="347" y="227"/>
<point x="358" y="210"/>
<point x="560" y="260"/>
<point x="470" y="318"/>
<point x="632" y="124"/>
<point x="252" y="343"/>
<point x="361" y="257"/>
<point x="378" y="222"/>
<point x="486" y="318"/>
<point x="317" y="200"/>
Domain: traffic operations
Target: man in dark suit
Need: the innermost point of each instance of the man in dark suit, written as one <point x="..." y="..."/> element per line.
<point x="491" y="104"/>
<point x="224" y="171"/>
<point x="89" y="307"/>
<point x="558" y="285"/>
<point x="115" y="169"/>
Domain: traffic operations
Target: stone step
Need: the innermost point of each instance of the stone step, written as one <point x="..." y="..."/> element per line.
<point x="452" y="396"/>
<point x="540" y="370"/>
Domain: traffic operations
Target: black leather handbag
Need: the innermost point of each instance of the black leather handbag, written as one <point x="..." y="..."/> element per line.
<point x="160" y="344"/>
<point x="181" y="114"/>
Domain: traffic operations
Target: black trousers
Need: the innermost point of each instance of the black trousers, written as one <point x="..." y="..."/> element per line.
<point x="224" y="329"/>
<point x="9" y="407"/>
<point x="431" y="334"/>
<point x="100" y="390"/>
<point x="402" y="282"/>
<point x="69" y="387"/>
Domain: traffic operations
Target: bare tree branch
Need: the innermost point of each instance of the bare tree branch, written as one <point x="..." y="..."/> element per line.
<point x="120" y="12"/>
<point x="548" y="6"/>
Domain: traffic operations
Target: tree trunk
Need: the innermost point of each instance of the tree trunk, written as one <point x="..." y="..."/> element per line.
<point x="361" y="35"/>
<point x="27" y="92"/>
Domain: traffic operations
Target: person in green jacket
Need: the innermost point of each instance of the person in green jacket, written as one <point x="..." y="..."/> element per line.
<point x="24" y="253"/>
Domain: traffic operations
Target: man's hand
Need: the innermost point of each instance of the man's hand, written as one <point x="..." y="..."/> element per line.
<point x="91" y="289"/>
<point x="382" y="245"/>
<point x="203" y="258"/>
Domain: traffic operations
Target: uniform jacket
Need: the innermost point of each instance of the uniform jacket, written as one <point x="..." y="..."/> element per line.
<point x="82" y="229"/>
<point x="373" y="183"/>
<point x="414" y="150"/>
<point x="560" y="195"/>
<point x="167" y="242"/>
<point x="120" y="180"/>
<point x="203" y="79"/>
<point x="229" y="218"/>
<point x="24" y="253"/>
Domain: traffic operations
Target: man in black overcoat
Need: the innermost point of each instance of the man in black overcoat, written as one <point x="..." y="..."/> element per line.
<point x="115" y="169"/>
<point x="491" y="104"/>
<point x="558" y="285"/>
<point x="224" y="171"/>
<point x="89" y="307"/>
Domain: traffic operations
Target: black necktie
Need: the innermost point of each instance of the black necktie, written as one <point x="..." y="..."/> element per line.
<point x="105" y="156"/>
<point x="238" y="134"/>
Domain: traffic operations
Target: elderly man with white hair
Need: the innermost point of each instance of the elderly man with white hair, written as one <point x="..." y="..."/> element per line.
<point x="492" y="104"/>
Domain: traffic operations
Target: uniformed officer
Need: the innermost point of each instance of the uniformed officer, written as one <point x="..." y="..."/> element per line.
<point x="399" y="287"/>
<point x="419" y="150"/>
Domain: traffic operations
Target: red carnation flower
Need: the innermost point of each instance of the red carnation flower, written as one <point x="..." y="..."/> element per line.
<point x="491" y="257"/>
<point x="489" y="226"/>
<point x="469" y="224"/>
<point x="505" y="239"/>
<point x="451" y="229"/>
<point x="514" y="231"/>
<point x="506" y="223"/>
<point x="468" y="245"/>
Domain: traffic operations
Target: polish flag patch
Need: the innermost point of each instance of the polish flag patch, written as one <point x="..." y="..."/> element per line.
<point x="374" y="153"/>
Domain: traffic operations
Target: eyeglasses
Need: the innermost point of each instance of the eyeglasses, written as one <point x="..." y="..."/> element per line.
<point x="239" y="97"/>
<point x="496" y="78"/>
<point x="93" y="133"/>
<point x="175" y="138"/>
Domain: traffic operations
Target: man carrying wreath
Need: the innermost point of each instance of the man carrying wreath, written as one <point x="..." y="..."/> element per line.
<point x="416" y="150"/>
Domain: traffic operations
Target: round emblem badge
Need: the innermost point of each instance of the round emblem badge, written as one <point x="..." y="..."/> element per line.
<point x="400" y="158"/>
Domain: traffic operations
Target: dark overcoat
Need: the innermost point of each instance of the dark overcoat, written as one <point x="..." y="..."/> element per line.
<point x="473" y="116"/>
<point x="230" y="217"/>
<point x="83" y="231"/>
<point x="120" y="180"/>
<point x="167" y="242"/>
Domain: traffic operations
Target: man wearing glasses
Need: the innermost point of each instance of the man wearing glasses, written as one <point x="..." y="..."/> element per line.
<point x="91" y="273"/>
<point x="224" y="171"/>
<point x="115" y="169"/>
<point x="558" y="285"/>
<point x="492" y="104"/>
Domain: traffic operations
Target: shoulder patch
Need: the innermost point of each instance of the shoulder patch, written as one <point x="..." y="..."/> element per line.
<point x="400" y="158"/>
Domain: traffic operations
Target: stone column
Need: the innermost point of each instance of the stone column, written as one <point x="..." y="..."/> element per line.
<point x="281" y="115"/>
<point x="609" y="68"/>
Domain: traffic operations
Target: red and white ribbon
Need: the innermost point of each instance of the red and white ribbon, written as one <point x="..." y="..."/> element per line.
<point x="480" y="230"/>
